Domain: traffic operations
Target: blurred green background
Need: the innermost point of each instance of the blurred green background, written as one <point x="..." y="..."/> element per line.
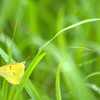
<point x="38" y="22"/>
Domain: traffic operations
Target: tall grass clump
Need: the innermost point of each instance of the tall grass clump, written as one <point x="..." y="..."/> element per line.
<point x="71" y="72"/>
<point x="64" y="57"/>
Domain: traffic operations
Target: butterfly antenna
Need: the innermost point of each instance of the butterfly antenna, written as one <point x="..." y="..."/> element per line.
<point x="26" y="60"/>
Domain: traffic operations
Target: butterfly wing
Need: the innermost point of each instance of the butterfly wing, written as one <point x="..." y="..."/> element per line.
<point x="13" y="72"/>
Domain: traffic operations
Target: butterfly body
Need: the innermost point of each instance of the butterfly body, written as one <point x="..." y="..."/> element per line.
<point x="13" y="72"/>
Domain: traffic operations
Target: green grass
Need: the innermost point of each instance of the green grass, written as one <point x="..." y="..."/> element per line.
<point x="48" y="30"/>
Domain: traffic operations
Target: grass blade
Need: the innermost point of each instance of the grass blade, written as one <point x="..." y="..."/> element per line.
<point x="93" y="74"/>
<point x="58" y="91"/>
<point x="70" y="27"/>
<point x="29" y="87"/>
<point x="5" y="56"/>
<point x="5" y="83"/>
<point x="11" y="92"/>
<point x="5" y="40"/>
<point x="28" y="73"/>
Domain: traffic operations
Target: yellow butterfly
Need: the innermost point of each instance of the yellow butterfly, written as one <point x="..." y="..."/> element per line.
<point x="13" y="72"/>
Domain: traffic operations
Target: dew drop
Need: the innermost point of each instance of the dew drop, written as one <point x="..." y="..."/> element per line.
<point x="6" y="60"/>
